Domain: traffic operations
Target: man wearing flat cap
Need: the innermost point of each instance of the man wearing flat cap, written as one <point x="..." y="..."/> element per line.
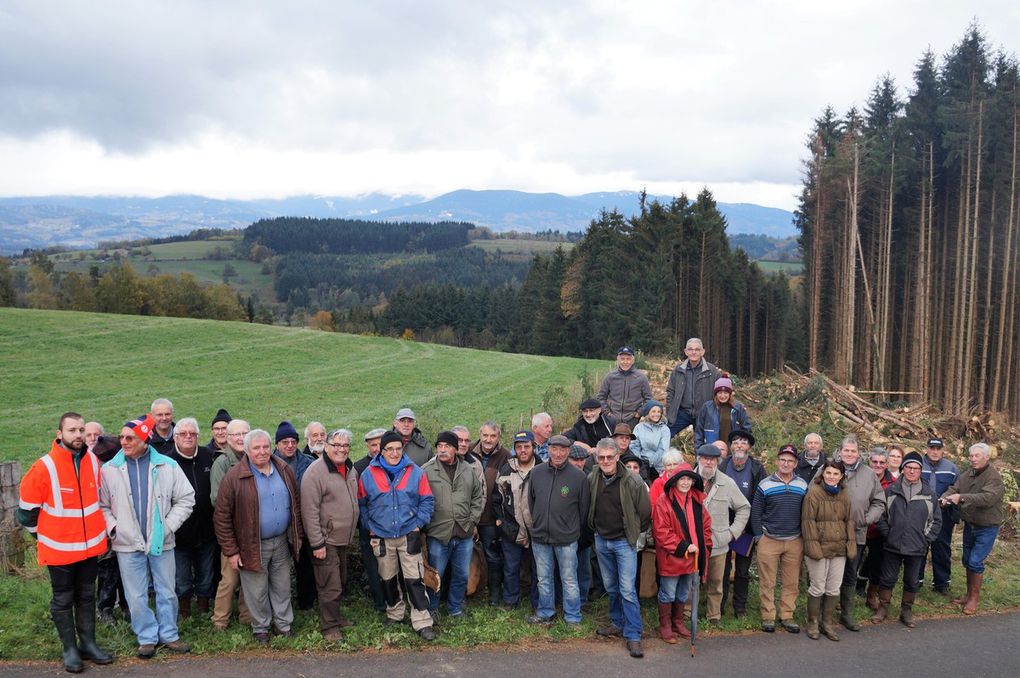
<point x="592" y="425"/>
<point x="145" y="497"/>
<point x="396" y="505"/>
<point x="625" y="390"/>
<point x="730" y="511"/>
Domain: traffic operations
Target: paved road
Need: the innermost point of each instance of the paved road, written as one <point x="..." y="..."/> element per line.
<point x="980" y="647"/>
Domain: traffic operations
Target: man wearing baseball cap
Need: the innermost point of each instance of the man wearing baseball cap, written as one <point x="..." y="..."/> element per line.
<point x="775" y="523"/>
<point x="625" y="390"/>
<point x="513" y="517"/>
<point x="940" y="474"/>
<point x="416" y="446"/>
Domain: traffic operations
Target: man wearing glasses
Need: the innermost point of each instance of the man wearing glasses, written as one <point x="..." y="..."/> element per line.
<point x="329" y="513"/>
<point x="230" y="580"/>
<point x="691" y="385"/>
<point x="196" y="540"/>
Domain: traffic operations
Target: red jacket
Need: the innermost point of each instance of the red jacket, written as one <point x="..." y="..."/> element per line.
<point x="670" y="535"/>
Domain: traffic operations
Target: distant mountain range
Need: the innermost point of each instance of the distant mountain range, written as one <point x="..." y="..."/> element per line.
<point x="81" y="222"/>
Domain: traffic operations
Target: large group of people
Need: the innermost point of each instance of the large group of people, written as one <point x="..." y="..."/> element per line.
<point x="605" y="507"/>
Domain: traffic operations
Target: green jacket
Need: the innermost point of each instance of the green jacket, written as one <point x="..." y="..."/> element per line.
<point x="981" y="493"/>
<point x="458" y="501"/>
<point x="637" y="508"/>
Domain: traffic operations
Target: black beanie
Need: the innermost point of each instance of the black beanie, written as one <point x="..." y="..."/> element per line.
<point x="448" y="437"/>
<point x="390" y="437"/>
<point x="222" y="415"/>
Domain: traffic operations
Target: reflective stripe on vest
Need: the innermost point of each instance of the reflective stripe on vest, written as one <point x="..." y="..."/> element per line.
<point x="73" y="545"/>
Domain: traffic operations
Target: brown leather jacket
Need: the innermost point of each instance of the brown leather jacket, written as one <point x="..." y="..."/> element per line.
<point x="236" y="517"/>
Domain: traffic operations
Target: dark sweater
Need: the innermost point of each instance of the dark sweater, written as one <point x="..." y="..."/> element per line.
<point x="559" y="500"/>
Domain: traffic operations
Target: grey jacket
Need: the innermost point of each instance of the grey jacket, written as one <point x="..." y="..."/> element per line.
<point x="171" y="500"/>
<point x="623" y="394"/>
<point x="704" y="387"/>
<point x="329" y="504"/>
<point x="722" y="501"/>
<point x="867" y="498"/>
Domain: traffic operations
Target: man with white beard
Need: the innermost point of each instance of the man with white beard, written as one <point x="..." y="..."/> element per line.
<point x="722" y="499"/>
<point x="315" y="439"/>
<point x="747" y="472"/>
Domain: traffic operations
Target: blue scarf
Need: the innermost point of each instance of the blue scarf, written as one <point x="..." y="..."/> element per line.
<point x="392" y="470"/>
<point x="831" y="489"/>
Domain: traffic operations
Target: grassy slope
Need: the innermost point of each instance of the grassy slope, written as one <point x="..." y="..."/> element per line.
<point x="111" y="367"/>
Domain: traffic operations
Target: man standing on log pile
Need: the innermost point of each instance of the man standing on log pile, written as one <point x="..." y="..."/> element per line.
<point x="690" y="386"/>
<point x="59" y="505"/>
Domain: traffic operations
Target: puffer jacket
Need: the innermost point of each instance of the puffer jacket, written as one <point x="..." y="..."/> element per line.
<point x="651" y="441"/>
<point x="510" y="502"/>
<point x="394" y="507"/>
<point x="729" y="509"/>
<point x="706" y="426"/>
<point x="458" y="501"/>
<point x="329" y="504"/>
<point x="826" y="524"/>
<point x="909" y="526"/>
<point x="623" y="394"/>
<point x="171" y="500"/>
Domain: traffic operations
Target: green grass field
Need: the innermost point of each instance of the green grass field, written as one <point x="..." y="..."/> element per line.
<point x="524" y="248"/>
<point x="788" y="267"/>
<point x="111" y="367"/>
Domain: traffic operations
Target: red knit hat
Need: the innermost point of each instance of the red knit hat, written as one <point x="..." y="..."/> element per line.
<point x="142" y="426"/>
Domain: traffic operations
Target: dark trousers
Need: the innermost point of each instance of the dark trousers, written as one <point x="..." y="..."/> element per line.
<point x="941" y="557"/>
<point x="194" y="571"/>
<point x="514" y="556"/>
<point x="683" y="420"/>
<point x="73" y="585"/>
<point x="891" y="563"/>
<point x="850" y="568"/>
<point x="304" y="573"/>
<point x="492" y="546"/>
<point x="371" y="565"/>
<point x="741" y="579"/>
<point x="873" y="562"/>
<point x="330" y="575"/>
<point x="110" y="587"/>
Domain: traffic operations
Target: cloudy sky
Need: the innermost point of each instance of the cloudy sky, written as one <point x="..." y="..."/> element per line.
<point x="248" y="99"/>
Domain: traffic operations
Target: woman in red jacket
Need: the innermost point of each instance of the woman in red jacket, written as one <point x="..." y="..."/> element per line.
<point x="683" y="542"/>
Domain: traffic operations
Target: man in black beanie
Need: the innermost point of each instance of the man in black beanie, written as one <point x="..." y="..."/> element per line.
<point x="218" y="442"/>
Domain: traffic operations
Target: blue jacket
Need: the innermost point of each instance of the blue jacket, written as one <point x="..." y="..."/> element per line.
<point x="299" y="463"/>
<point x="706" y="427"/>
<point x="394" y="507"/>
<point x="651" y="441"/>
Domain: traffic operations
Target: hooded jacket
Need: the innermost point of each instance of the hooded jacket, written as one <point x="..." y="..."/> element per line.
<point x="674" y="534"/>
<point x="651" y="441"/>
<point x="827" y="524"/>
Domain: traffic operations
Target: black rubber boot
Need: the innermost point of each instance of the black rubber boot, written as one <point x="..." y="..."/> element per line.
<point x="847" y="600"/>
<point x="85" y="621"/>
<point x="64" y="621"/>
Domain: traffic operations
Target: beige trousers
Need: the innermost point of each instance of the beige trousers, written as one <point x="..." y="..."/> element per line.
<point x="783" y="557"/>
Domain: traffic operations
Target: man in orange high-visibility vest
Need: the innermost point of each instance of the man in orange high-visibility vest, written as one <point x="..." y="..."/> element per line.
<point x="59" y="505"/>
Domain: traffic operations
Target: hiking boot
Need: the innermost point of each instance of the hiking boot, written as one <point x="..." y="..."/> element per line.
<point x="768" y="626"/>
<point x="790" y="625"/>
<point x="634" y="648"/>
<point x="907" y="610"/>
<point x="427" y="633"/>
<point x="610" y="630"/>
<point x="261" y="637"/>
<point x="146" y="651"/>
<point x="177" y="646"/>
<point x="333" y="636"/>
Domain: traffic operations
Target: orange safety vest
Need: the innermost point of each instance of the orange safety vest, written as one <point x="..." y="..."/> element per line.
<point x="71" y="527"/>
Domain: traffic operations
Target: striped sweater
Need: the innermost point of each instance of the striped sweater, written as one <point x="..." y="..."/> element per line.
<point x="776" y="506"/>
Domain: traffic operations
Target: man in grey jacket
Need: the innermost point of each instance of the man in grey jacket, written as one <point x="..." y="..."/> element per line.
<point x="690" y="386"/>
<point x="145" y="497"/>
<point x="867" y="503"/>
<point x="730" y="510"/>
<point x="625" y="390"/>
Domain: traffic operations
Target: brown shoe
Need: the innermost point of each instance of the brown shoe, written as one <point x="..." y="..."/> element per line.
<point x="333" y="636"/>
<point x="203" y="605"/>
<point x="146" y="651"/>
<point x="177" y="646"/>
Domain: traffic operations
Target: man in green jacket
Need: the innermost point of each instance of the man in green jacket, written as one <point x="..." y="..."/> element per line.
<point x="619" y="511"/>
<point x="459" y="495"/>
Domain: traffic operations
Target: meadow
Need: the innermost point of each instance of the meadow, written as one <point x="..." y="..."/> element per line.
<point x="111" y="367"/>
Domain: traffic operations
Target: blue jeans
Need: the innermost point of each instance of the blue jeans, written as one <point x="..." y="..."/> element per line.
<point x="683" y="420"/>
<point x="135" y="570"/>
<point x="675" y="589"/>
<point x="513" y="557"/>
<point x="457" y="553"/>
<point x="548" y="557"/>
<point x="584" y="572"/>
<point x="618" y="562"/>
<point x="194" y="571"/>
<point x="977" y="544"/>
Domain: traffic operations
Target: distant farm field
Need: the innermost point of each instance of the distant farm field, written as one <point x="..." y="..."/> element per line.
<point x="527" y="248"/>
<point x="111" y="367"/>
<point x="789" y="267"/>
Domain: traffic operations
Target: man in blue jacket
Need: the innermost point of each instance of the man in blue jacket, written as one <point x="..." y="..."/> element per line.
<point x="940" y="474"/>
<point x="396" y="503"/>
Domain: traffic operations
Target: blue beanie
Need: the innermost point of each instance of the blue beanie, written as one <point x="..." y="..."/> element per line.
<point x="649" y="405"/>
<point x="286" y="430"/>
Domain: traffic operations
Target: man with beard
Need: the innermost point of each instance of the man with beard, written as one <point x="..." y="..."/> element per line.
<point x="730" y="511"/>
<point x="230" y="580"/>
<point x="747" y="473"/>
<point x="218" y="442"/>
<point x="70" y="536"/>
<point x="416" y="446"/>
<point x="592" y="426"/>
<point x="811" y="458"/>
<point x="513" y="518"/>
<point x="491" y="455"/>
<point x="193" y="552"/>
<point x="315" y="440"/>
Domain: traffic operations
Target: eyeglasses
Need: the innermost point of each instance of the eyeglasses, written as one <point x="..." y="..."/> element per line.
<point x="876" y="462"/>
<point x="603" y="457"/>
<point x="187" y="434"/>
<point x="339" y="446"/>
<point x="237" y="435"/>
